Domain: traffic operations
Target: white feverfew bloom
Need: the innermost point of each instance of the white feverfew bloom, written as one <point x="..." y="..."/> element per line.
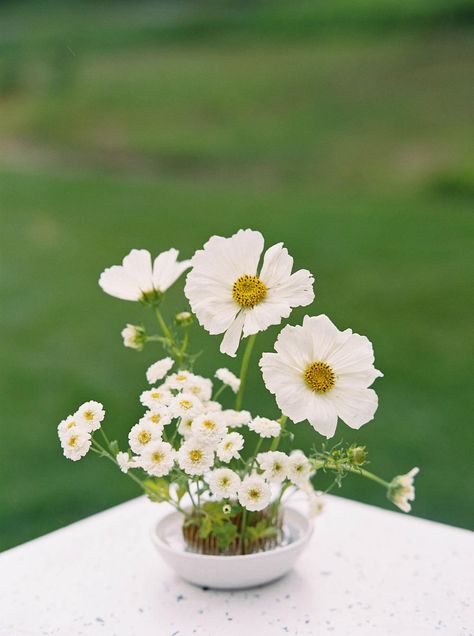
<point x="211" y="406"/>
<point x="134" y="337"/>
<point x="299" y="468"/>
<point x="185" y="427"/>
<point x="230" y="294"/>
<point x="75" y="443"/>
<point x="402" y="490"/>
<point x="229" y="379"/>
<point x="224" y="483"/>
<point x="185" y="405"/>
<point x="156" y="417"/>
<point x="195" y="456"/>
<point x="66" y="425"/>
<point x="265" y="427"/>
<point x="158" y="459"/>
<point x="210" y="426"/>
<point x="126" y="462"/>
<point x="159" y="369"/>
<point x="138" y="279"/>
<point x="274" y="465"/>
<point x="156" y="398"/>
<point x="236" y="419"/>
<point x="229" y="447"/>
<point x="200" y="387"/>
<point x="319" y="373"/>
<point x="142" y="435"/>
<point x="179" y="381"/>
<point x="254" y="493"/>
<point x="90" y="415"/>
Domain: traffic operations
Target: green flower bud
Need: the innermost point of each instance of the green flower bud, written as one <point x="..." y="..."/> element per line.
<point x="357" y="455"/>
<point x="183" y="318"/>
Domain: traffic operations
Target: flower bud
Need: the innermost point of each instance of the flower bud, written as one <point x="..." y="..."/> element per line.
<point x="183" y="318"/>
<point x="226" y="509"/>
<point x="357" y="455"/>
<point x="134" y="337"/>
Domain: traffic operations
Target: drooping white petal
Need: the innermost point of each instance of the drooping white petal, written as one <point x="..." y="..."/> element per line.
<point x="117" y="282"/>
<point x="137" y="264"/>
<point x="355" y="407"/>
<point x="323" y="415"/>
<point x="296" y="290"/>
<point x="167" y="269"/>
<point x="231" y="339"/>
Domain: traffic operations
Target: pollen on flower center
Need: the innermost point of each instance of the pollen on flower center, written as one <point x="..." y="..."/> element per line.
<point x="144" y="437"/>
<point x="254" y="493"/>
<point x="155" y="418"/>
<point x="89" y="415"/>
<point x="73" y="440"/>
<point x="186" y="404"/>
<point x="157" y="457"/>
<point x="209" y="424"/>
<point x="319" y="377"/>
<point x="249" y="291"/>
<point x="195" y="456"/>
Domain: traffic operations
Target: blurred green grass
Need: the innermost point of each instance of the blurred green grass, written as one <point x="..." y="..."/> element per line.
<point x="118" y="130"/>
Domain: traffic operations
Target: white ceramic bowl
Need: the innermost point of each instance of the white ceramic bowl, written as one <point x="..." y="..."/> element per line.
<point x="230" y="572"/>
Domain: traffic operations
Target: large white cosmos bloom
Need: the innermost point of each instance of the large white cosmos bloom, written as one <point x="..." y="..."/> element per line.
<point x="230" y="295"/>
<point x="138" y="279"/>
<point x="319" y="373"/>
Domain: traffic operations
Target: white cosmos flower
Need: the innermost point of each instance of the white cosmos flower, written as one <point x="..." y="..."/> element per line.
<point x="134" y="337"/>
<point x="236" y="419"/>
<point x="185" y="405"/>
<point x="229" y="295"/>
<point x="90" y="415"/>
<point x="402" y="490"/>
<point x="274" y="465"/>
<point x="228" y="378"/>
<point x="195" y="456"/>
<point x="224" y="483"/>
<point x="229" y="447"/>
<point x="138" y="279"/>
<point x="142" y="435"/>
<point x="299" y="468"/>
<point x="210" y="426"/>
<point x="126" y="462"/>
<point x="156" y="398"/>
<point x="158" y="458"/>
<point x="265" y="427"/>
<point x="319" y="373"/>
<point x="75" y="443"/>
<point x="156" y="417"/>
<point x="254" y="493"/>
<point x="159" y="369"/>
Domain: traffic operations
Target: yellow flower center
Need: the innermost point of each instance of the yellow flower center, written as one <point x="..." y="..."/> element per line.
<point x="71" y="424"/>
<point x="181" y="377"/>
<point x="249" y="291"/>
<point x="319" y="377"/>
<point x="144" y="437"/>
<point x="209" y="424"/>
<point x="228" y="445"/>
<point x="155" y="418"/>
<point x="186" y="404"/>
<point x="73" y="440"/>
<point x="155" y="395"/>
<point x="157" y="457"/>
<point x="89" y="415"/>
<point x="225" y="481"/>
<point x="195" y="456"/>
<point x="254" y="493"/>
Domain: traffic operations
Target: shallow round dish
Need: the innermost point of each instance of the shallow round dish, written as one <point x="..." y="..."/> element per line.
<point x="230" y="572"/>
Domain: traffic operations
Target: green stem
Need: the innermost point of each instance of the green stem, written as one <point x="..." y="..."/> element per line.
<point x="219" y="391"/>
<point x="177" y="352"/>
<point x="352" y="469"/>
<point x="254" y="457"/>
<point x="243" y="372"/>
<point x="276" y="440"/>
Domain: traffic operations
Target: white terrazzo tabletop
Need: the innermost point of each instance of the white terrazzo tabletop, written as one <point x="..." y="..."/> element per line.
<point x="366" y="572"/>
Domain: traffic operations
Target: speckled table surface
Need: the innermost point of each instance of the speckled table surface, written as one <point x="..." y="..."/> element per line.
<point x="366" y="572"/>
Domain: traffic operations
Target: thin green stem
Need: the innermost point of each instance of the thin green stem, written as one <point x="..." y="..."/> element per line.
<point x="352" y="469"/>
<point x="276" y="440"/>
<point x="243" y="372"/>
<point x="219" y="391"/>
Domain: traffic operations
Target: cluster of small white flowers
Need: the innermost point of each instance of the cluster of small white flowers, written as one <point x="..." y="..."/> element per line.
<point x="75" y="431"/>
<point x="229" y="379"/>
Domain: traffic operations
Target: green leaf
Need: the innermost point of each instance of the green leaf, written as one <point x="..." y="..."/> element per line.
<point x="225" y="533"/>
<point x="157" y="489"/>
<point x="205" y="528"/>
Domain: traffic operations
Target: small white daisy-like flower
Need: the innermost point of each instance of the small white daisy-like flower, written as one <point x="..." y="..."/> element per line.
<point x="274" y="465"/>
<point x="126" y="462"/>
<point x="195" y="456"/>
<point x="200" y="387"/>
<point x="185" y="427"/>
<point x="254" y="493"/>
<point x="142" y="435"/>
<point x="185" y="405"/>
<point x="265" y="427"/>
<point x="319" y="373"/>
<point x="90" y="415"/>
<point x="236" y="419"/>
<point x="179" y="381"/>
<point x="134" y="337"/>
<point x="158" y="459"/>
<point x="159" y="369"/>
<point x="228" y="378"/>
<point x="75" y="443"/>
<point x="229" y="295"/>
<point x="155" y="398"/>
<point x="210" y="426"/>
<point x="229" y="447"/>
<point x="315" y="500"/>
<point x="224" y="483"/>
<point x="65" y="426"/>
<point x="211" y="406"/>
<point x="402" y="490"/>
<point x="137" y="279"/>
<point x="156" y="417"/>
<point x="299" y="468"/>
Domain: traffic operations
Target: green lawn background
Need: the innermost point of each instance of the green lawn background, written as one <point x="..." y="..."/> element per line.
<point x="152" y="127"/>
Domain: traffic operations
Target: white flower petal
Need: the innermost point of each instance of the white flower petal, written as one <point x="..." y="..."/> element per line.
<point x="137" y="264"/>
<point x="277" y="265"/>
<point x="167" y="269"/>
<point x="355" y="407"/>
<point x="117" y="282"/>
<point x="323" y="415"/>
<point x="231" y="339"/>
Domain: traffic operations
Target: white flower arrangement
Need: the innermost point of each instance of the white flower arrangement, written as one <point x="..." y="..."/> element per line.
<point x="225" y="470"/>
